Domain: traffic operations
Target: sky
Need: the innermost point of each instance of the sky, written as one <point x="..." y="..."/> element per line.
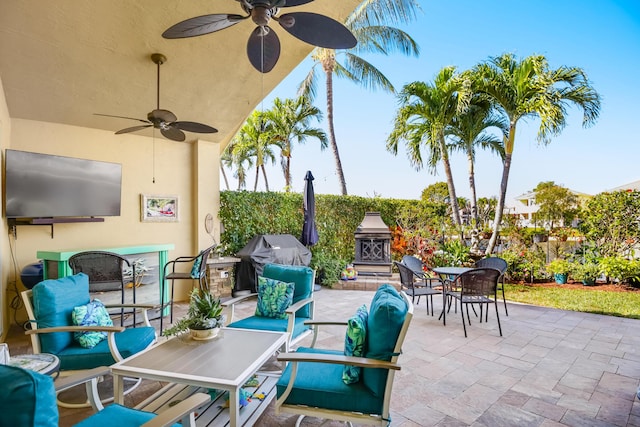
<point x="600" y="36"/>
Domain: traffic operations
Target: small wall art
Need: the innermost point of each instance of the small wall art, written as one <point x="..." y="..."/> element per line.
<point x="158" y="208"/>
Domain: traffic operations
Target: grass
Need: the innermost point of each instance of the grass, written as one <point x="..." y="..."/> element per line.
<point x="620" y="304"/>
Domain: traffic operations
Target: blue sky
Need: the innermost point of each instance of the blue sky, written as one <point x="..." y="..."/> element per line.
<point x="600" y="36"/>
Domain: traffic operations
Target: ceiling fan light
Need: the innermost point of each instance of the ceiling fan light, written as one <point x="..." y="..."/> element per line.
<point x="261" y="15"/>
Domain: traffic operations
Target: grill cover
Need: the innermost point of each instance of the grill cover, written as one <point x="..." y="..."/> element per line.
<point x="267" y="249"/>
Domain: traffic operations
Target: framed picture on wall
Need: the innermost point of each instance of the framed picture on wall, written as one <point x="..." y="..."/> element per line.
<point x="158" y="208"/>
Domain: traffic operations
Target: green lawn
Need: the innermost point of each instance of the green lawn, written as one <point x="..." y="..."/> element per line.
<point x="621" y="304"/>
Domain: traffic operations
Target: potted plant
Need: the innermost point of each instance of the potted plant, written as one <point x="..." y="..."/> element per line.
<point x="587" y="273"/>
<point x="204" y="317"/>
<point x="560" y="268"/>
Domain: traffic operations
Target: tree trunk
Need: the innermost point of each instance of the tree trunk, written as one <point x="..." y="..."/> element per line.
<point x="224" y="175"/>
<point x="264" y="174"/>
<point x="255" y="185"/>
<point x="452" y="189"/>
<point x="287" y="173"/>
<point x="508" y="153"/>
<point x="332" y="133"/>
<point x="472" y="189"/>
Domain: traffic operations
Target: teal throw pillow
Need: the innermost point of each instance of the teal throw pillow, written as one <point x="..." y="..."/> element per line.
<point x="92" y="314"/>
<point x="354" y="343"/>
<point x="274" y="297"/>
<point x="195" y="269"/>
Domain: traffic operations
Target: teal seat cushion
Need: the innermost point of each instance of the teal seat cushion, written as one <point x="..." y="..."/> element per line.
<point x="270" y="324"/>
<point x="386" y="316"/>
<point x="118" y="415"/>
<point x="53" y="303"/>
<point x="18" y="403"/>
<point x="321" y="385"/>
<point x="301" y="275"/>
<point x="129" y="342"/>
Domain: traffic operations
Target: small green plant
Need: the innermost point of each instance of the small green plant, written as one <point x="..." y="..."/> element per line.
<point x="587" y="272"/>
<point x="559" y="266"/>
<point x="619" y="268"/>
<point x="205" y="312"/>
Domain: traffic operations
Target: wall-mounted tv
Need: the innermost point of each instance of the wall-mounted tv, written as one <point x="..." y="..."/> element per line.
<point x="46" y="186"/>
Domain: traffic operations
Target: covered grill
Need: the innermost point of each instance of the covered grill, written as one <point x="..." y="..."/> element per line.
<point x="373" y="246"/>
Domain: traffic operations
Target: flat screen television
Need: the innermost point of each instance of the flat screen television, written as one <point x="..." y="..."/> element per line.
<point x="47" y="186"/>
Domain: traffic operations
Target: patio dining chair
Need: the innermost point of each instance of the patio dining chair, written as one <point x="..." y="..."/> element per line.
<point x="353" y="385"/>
<point x="475" y="286"/>
<point x="499" y="264"/>
<point x="417" y="285"/>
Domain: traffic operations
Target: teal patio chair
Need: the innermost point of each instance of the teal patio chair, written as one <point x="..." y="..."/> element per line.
<point x="49" y="307"/>
<point x="300" y="311"/>
<point x="27" y="399"/>
<point x="322" y="384"/>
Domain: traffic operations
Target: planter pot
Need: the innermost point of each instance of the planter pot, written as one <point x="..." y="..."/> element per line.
<point x="589" y="282"/>
<point x="204" y="334"/>
<point x="561" y="278"/>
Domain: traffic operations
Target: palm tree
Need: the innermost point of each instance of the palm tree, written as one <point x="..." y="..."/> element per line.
<point x="426" y="110"/>
<point x="289" y="123"/>
<point x="237" y="159"/>
<point x="468" y="131"/>
<point x="253" y="141"/>
<point x="528" y="88"/>
<point x="367" y="25"/>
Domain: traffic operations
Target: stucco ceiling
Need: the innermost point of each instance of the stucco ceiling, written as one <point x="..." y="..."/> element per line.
<point x="61" y="61"/>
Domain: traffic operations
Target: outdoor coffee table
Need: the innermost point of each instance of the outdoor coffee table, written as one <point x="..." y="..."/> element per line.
<point x="223" y="363"/>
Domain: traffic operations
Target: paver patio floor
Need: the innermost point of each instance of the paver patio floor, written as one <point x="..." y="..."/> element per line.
<point x="551" y="367"/>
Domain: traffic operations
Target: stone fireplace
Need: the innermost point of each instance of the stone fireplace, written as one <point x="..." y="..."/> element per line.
<point x="373" y="246"/>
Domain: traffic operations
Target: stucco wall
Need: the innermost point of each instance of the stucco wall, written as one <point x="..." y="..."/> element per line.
<point x="5" y="134"/>
<point x="188" y="170"/>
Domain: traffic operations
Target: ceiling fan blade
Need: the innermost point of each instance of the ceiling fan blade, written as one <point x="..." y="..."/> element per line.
<point x="194" y="127"/>
<point x="201" y="25"/>
<point x="121" y="117"/>
<point x="173" y="133"/>
<point x="162" y="116"/>
<point x="290" y="3"/>
<point x="263" y="49"/>
<point x="318" y="30"/>
<point x="132" y="129"/>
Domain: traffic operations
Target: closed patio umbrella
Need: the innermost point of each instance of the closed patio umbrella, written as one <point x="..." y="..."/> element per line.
<point x="309" y="231"/>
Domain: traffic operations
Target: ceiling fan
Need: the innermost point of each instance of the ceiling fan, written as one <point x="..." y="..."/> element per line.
<point x="164" y="120"/>
<point x="263" y="47"/>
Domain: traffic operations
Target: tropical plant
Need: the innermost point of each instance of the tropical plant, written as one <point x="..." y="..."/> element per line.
<point x="586" y="272"/>
<point x="468" y="131"/>
<point x="368" y="25"/>
<point x="557" y="204"/>
<point x="559" y="266"/>
<point x="253" y="141"/>
<point x="426" y="110"/>
<point x="620" y="269"/>
<point x="290" y="123"/>
<point x="237" y="159"/>
<point x="452" y="253"/>
<point x="528" y="88"/>
<point x="205" y="312"/>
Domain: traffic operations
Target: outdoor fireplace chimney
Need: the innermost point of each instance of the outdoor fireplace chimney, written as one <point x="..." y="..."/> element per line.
<point x="373" y="246"/>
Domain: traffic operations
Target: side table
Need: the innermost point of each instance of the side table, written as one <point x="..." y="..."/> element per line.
<point x="43" y="363"/>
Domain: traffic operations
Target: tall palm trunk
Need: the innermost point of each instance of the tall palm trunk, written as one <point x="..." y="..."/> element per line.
<point x="264" y="174"/>
<point x="255" y="184"/>
<point x="328" y="69"/>
<point x="508" y="153"/>
<point x="224" y="175"/>
<point x="287" y="173"/>
<point x="452" y="189"/>
<point x="472" y="189"/>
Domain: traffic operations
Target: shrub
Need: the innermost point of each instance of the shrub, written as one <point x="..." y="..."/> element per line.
<point x="559" y="266"/>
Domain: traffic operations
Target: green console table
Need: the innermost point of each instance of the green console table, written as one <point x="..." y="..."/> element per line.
<point x="56" y="264"/>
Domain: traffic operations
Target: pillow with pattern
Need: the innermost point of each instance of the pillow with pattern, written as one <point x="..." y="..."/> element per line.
<point x="274" y="297"/>
<point x="354" y="343"/>
<point x="195" y="269"/>
<point x="92" y="314"/>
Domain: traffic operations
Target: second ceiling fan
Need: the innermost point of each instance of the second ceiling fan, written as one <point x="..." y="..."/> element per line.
<point x="263" y="47"/>
<point x="164" y="120"/>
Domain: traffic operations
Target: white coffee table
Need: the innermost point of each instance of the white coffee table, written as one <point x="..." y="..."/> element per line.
<point x="225" y="362"/>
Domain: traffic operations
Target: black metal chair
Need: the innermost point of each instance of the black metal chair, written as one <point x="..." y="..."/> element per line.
<point x="417" y="286"/>
<point x="499" y="264"/>
<point x="476" y="286"/>
<point x="106" y="273"/>
<point x="197" y="272"/>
